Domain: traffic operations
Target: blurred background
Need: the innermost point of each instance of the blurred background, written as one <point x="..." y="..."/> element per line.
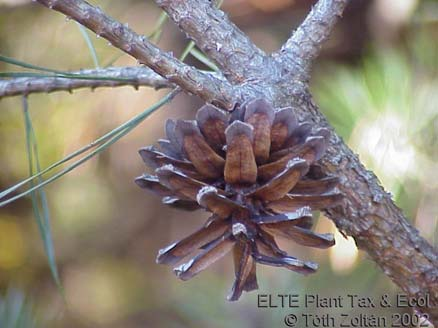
<point x="376" y="80"/>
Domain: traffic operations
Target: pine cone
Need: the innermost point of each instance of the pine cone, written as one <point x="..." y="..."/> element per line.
<point x="255" y="171"/>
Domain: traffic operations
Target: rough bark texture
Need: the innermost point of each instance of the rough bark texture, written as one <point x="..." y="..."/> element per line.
<point x="304" y="45"/>
<point x="212" y="31"/>
<point x="368" y="212"/>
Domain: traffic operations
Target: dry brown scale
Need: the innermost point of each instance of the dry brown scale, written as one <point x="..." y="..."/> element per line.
<point x="255" y="170"/>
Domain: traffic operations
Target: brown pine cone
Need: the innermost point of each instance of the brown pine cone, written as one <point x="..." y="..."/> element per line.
<point x="255" y="171"/>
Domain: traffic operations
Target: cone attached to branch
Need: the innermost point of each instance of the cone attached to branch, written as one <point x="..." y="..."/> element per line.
<point x="255" y="170"/>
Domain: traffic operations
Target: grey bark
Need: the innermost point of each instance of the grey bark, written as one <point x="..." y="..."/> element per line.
<point x="236" y="55"/>
<point x="368" y="212"/>
<point x="299" y="51"/>
<point x="95" y="78"/>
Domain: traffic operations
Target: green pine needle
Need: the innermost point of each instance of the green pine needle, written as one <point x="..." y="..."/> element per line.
<point x="109" y="139"/>
<point x="89" y="44"/>
<point x="54" y="73"/>
<point x="39" y="198"/>
<point x="203" y="59"/>
<point x="187" y="50"/>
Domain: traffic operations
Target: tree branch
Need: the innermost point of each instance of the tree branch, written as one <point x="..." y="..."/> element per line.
<point x="304" y="45"/>
<point x="190" y="79"/>
<point x="212" y="31"/>
<point x="104" y="77"/>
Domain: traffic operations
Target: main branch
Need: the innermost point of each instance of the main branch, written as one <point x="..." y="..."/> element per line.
<point x="206" y="86"/>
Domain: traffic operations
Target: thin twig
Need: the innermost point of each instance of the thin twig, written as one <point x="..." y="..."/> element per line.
<point x="304" y="45"/>
<point x="190" y="79"/>
<point x="133" y="76"/>
<point x="212" y="31"/>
